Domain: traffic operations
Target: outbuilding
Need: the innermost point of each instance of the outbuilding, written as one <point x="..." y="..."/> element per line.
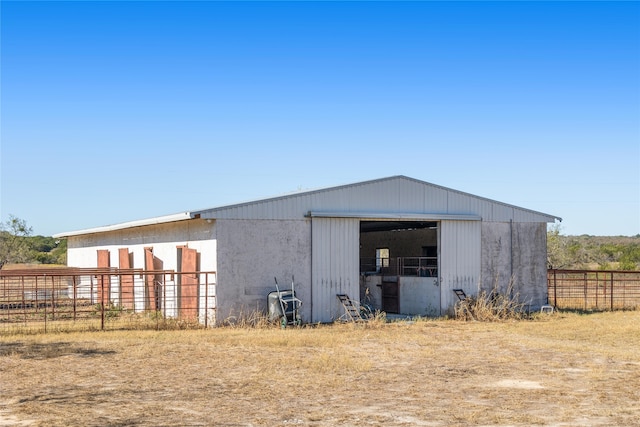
<point x="400" y="244"/>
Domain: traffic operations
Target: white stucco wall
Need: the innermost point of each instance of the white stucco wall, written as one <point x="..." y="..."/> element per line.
<point x="251" y="253"/>
<point x="164" y="239"/>
<point x="419" y="296"/>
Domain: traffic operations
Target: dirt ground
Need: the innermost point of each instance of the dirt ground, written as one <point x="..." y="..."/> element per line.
<point x="560" y="370"/>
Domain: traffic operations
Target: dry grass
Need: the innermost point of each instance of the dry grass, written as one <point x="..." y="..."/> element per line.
<point x="561" y="370"/>
<point x="492" y="307"/>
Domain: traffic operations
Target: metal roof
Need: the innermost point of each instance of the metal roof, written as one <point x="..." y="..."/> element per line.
<point x="392" y="197"/>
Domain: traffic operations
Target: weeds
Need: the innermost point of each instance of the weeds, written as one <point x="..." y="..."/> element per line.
<point x="492" y="307"/>
<point x="255" y="319"/>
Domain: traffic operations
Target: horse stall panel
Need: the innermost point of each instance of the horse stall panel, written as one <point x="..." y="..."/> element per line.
<point x="104" y="281"/>
<point x="153" y="282"/>
<point x="126" y="283"/>
<point x="188" y="293"/>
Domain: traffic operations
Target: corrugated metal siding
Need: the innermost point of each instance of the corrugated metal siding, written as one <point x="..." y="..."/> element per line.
<point x="460" y="249"/>
<point x="435" y="200"/>
<point x="334" y="265"/>
<point x="411" y="196"/>
<point x="501" y="213"/>
<point x="522" y="215"/>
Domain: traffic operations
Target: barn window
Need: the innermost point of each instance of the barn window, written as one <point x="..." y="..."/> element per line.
<point x="382" y="258"/>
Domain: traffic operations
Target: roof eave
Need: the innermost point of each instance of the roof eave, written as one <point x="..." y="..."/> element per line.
<point x="130" y="224"/>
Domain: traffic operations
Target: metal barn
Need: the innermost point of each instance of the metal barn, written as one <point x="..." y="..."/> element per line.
<point x="400" y="244"/>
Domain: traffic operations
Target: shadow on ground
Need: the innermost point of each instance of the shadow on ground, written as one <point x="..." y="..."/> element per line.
<point x="41" y="351"/>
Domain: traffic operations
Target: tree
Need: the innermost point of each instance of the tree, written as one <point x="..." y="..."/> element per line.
<point x="47" y="250"/>
<point x="14" y="243"/>
<point x="557" y="253"/>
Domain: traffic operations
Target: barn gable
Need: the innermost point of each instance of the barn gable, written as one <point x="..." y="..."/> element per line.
<point x="394" y="195"/>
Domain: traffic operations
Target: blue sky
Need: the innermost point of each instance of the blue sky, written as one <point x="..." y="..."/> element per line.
<point x="117" y="111"/>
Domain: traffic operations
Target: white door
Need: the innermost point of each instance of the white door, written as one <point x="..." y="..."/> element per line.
<point x="460" y="248"/>
<point x="335" y="265"/>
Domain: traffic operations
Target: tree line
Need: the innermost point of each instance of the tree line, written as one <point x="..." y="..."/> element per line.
<point x="592" y="252"/>
<point x="19" y="246"/>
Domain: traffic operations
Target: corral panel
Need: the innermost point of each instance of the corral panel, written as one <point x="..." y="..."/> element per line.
<point x="188" y="289"/>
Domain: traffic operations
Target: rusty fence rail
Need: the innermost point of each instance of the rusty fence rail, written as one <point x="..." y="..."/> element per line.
<point x="101" y="299"/>
<point x="594" y="289"/>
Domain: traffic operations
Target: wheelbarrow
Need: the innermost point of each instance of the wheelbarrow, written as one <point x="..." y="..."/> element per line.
<point x="284" y="306"/>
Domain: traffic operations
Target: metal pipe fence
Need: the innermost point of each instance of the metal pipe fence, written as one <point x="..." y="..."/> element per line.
<point x="594" y="289"/>
<point x="401" y="266"/>
<point x="108" y="298"/>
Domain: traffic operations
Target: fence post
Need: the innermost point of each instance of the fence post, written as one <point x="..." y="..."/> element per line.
<point x="103" y="302"/>
<point x="206" y="299"/>
<point x="75" y="298"/>
<point x="91" y="289"/>
<point x="597" y="286"/>
<point x="24" y="302"/>
<point x="53" y="301"/>
<point x="611" y="293"/>
<point x="45" y="301"/>
<point x="555" y="289"/>
<point x="585" y="291"/>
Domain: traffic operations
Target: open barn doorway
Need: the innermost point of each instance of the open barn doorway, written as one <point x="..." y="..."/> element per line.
<point x="399" y="263"/>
